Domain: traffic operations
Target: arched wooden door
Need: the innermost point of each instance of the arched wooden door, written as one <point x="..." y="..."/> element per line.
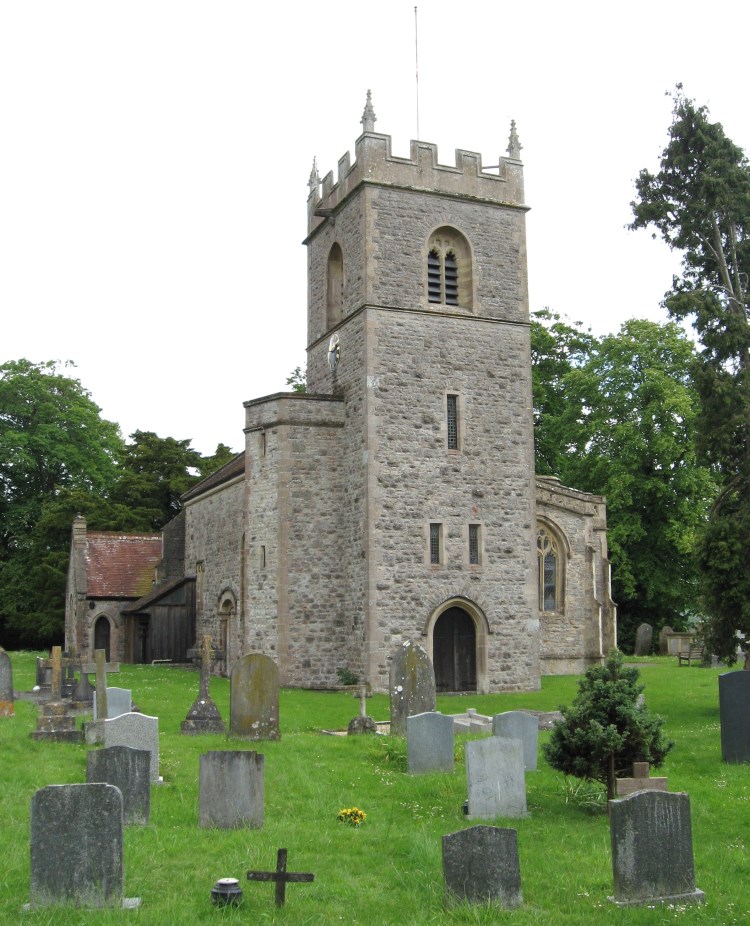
<point x="454" y="651"/>
<point x="102" y="635"/>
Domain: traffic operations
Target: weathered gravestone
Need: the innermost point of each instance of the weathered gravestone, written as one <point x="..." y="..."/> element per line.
<point x="119" y="701"/>
<point x="129" y="770"/>
<point x="231" y="790"/>
<point x="204" y="716"/>
<point x="480" y="864"/>
<point x="518" y="725"/>
<point x="664" y="633"/>
<point x="412" y="685"/>
<point x="254" y="698"/>
<point x="429" y="743"/>
<point x="734" y="711"/>
<point x="76" y="846"/>
<point x="495" y="778"/>
<point x="652" y="849"/>
<point x="640" y="781"/>
<point x="55" y="722"/>
<point x="138" y="731"/>
<point x="7" y="708"/>
<point x="643" y="636"/>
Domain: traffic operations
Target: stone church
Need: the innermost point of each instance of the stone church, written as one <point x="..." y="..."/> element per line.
<point x="396" y="498"/>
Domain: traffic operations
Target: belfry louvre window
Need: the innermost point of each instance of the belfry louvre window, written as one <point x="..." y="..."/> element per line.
<point x="474" y="544"/>
<point x="436" y="530"/>
<point x="449" y="269"/>
<point x="452" y="421"/>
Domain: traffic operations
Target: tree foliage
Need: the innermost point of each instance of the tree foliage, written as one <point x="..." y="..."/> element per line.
<point x="607" y="727"/>
<point x="621" y="423"/>
<point x="699" y="203"/>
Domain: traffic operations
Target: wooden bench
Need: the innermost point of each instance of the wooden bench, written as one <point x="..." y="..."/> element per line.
<point x="694" y="654"/>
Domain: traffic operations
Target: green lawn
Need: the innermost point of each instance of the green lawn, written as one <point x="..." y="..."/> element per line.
<point x="389" y="870"/>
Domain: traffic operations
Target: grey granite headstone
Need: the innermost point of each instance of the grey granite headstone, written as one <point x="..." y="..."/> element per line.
<point x="664" y="640"/>
<point x="429" y="743"/>
<point x="480" y="864"/>
<point x="518" y="725"/>
<point x="231" y="790"/>
<point x="495" y="778"/>
<point x="119" y="701"/>
<point x="412" y="685"/>
<point x="76" y="846"/>
<point x="129" y="770"/>
<point x="643" y="636"/>
<point x="652" y="849"/>
<point x="137" y="730"/>
<point x="734" y="711"/>
<point x="254" y="698"/>
<point x="7" y="708"/>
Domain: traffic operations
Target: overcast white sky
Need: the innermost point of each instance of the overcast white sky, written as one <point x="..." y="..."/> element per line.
<point x="154" y="158"/>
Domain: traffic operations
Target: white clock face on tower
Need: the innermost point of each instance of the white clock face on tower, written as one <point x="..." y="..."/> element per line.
<point x="334" y="352"/>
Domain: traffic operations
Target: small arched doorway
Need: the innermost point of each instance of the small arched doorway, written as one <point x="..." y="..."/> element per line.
<point x="454" y="651"/>
<point x="102" y="633"/>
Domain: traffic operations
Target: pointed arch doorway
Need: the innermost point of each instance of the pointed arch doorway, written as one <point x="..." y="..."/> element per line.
<point x="457" y="633"/>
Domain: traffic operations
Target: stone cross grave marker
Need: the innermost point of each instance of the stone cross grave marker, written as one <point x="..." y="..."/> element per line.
<point x="254" y="698"/>
<point x="640" y="781"/>
<point x="129" y="770"/>
<point x="231" y="790"/>
<point x="480" y="864"/>
<point x="734" y="713"/>
<point x="101" y="667"/>
<point x="429" y="743"/>
<point x="204" y="716"/>
<point x="281" y="877"/>
<point x="77" y="847"/>
<point x="7" y="708"/>
<point x="495" y="778"/>
<point x="362" y="723"/>
<point x="643" y="636"/>
<point x="652" y="849"/>
<point x="518" y="725"/>
<point x="55" y="722"/>
<point x="412" y="685"/>
<point x="138" y="731"/>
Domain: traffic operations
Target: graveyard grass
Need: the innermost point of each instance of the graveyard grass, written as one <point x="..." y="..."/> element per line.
<point x="388" y="870"/>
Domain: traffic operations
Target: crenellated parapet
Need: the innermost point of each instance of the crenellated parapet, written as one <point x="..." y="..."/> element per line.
<point x="468" y="178"/>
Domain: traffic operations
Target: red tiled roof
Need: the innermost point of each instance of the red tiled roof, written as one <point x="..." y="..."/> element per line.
<point x="121" y="565"/>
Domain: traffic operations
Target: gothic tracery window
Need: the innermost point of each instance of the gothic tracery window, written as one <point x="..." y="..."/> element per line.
<point x="550" y="570"/>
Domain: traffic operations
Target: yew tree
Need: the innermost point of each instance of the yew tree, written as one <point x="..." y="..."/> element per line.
<point x="699" y="203"/>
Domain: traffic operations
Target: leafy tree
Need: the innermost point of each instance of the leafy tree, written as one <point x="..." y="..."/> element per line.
<point x="699" y="202"/>
<point x="622" y="424"/>
<point x="297" y="379"/>
<point x="220" y="457"/>
<point x="607" y="727"/>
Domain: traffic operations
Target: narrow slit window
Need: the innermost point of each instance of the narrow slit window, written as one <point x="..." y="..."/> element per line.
<point x="452" y="421"/>
<point x="435" y="545"/>
<point x="474" y="544"/>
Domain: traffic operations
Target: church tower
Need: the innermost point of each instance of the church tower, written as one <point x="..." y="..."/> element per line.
<point x="395" y="499"/>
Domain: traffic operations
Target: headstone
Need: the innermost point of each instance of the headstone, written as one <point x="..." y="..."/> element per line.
<point x="129" y="770"/>
<point x="518" y="725"/>
<point x="119" y="701"/>
<point x="652" y="849"/>
<point x="281" y="877"/>
<point x="231" y="790"/>
<point x="429" y="743"/>
<point x="254" y="698"/>
<point x="138" y="731"/>
<point x="76" y="846"/>
<point x="734" y="711"/>
<point x="495" y="778"/>
<point x="362" y="723"/>
<point x="7" y="708"/>
<point x="643" y="637"/>
<point x="664" y="633"/>
<point x="55" y="722"/>
<point x="204" y="716"/>
<point x="640" y="781"/>
<point x="480" y="864"/>
<point x="412" y="685"/>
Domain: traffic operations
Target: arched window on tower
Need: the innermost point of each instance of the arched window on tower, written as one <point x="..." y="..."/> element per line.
<point x="551" y="575"/>
<point x="335" y="286"/>
<point x="449" y="276"/>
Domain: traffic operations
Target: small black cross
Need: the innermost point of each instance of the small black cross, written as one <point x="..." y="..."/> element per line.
<point x="281" y="876"/>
